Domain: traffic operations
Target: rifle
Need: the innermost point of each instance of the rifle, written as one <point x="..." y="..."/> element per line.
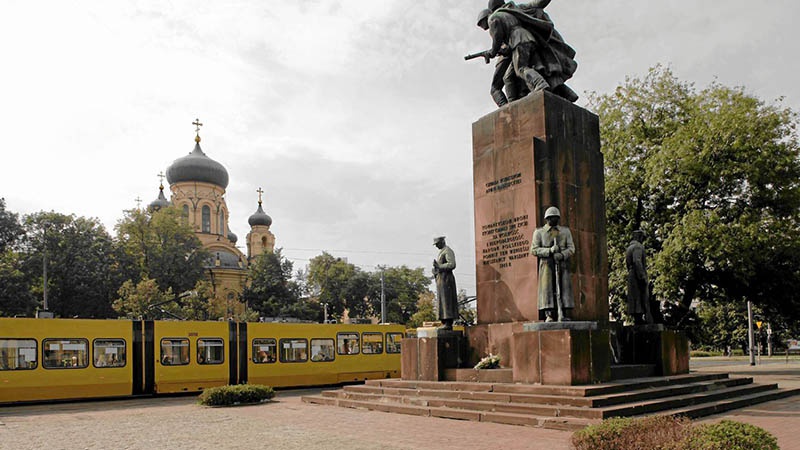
<point x="559" y="302"/>
<point x="484" y="54"/>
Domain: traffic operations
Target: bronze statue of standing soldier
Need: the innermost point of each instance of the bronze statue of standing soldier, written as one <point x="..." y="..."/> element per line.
<point x="446" y="294"/>
<point x="638" y="299"/>
<point x="554" y="247"/>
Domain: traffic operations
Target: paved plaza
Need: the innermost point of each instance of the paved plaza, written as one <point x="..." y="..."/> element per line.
<point x="178" y="423"/>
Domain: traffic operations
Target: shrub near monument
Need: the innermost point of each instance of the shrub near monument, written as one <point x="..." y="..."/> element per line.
<point x="672" y="433"/>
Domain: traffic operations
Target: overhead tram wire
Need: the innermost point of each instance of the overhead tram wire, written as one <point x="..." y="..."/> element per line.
<point x="375" y="252"/>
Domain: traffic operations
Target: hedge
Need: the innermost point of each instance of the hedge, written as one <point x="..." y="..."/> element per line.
<point x="236" y="395"/>
<point x="672" y="433"/>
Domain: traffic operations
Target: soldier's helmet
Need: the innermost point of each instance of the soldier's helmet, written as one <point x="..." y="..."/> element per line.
<point x="483" y="15"/>
<point x="552" y="212"/>
<point x="494" y="4"/>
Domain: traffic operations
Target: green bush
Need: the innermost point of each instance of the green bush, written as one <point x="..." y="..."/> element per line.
<point x="651" y="433"/>
<point x="672" y="433"/>
<point x="235" y="395"/>
<point x="699" y="354"/>
<point x="730" y="435"/>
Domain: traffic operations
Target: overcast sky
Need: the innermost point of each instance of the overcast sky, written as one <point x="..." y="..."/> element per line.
<point x="353" y="116"/>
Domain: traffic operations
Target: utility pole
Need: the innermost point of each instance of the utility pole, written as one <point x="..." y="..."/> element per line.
<point x="751" y="343"/>
<point x="383" y="299"/>
<point x="44" y="268"/>
<point x="325" y="312"/>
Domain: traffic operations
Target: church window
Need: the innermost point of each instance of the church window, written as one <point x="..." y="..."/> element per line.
<point x="185" y="211"/>
<point x="263" y="241"/>
<point x="206" y="219"/>
<point x="222" y="223"/>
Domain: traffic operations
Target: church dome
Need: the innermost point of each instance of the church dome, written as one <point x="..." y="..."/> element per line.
<point x="196" y="166"/>
<point x="160" y="202"/>
<point x="232" y="236"/>
<point x="259" y="218"/>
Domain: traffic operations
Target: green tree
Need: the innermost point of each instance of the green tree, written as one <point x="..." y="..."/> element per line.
<point x="329" y="281"/>
<point x="145" y="299"/>
<point x="160" y="245"/>
<point x="10" y="229"/>
<point x="272" y="292"/>
<point x="713" y="178"/>
<point x="402" y="287"/>
<point x="425" y="310"/>
<point x="16" y="297"/>
<point x="80" y="261"/>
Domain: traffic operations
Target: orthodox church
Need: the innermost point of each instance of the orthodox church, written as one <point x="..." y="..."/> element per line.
<point x="197" y="185"/>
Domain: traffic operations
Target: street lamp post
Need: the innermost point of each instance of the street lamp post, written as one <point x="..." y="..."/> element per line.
<point x="750" y="332"/>
<point x="44" y="268"/>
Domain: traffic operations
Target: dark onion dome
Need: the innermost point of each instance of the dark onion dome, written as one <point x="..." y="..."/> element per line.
<point x="161" y="201"/>
<point x="224" y="260"/>
<point x="259" y="218"/>
<point x="232" y="236"/>
<point x="196" y="166"/>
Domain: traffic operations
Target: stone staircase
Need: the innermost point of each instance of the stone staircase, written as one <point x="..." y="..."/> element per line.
<point x="558" y="407"/>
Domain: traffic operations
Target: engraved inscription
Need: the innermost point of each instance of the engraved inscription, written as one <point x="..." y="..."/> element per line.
<point x="503" y="183"/>
<point x="506" y="243"/>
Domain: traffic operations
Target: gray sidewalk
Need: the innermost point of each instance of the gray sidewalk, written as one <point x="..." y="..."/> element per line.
<point x="178" y="423"/>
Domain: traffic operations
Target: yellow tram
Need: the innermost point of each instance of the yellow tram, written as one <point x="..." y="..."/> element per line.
<point x="63" y="359"/>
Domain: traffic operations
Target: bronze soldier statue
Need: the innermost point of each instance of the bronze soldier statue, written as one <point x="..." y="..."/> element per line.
<point x="540" y="56"/>
<point x="443" y="267"/>
<point x="553" y="245"/>
<point x="504" y="76"/>
<point x="638" y="299"/>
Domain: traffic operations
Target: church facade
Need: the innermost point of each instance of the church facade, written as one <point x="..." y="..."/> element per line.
<point x="197" y="186"/>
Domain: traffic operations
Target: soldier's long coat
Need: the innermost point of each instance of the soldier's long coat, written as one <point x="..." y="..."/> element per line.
<point x="446" y="284"/>
<point x="543" y="239"/>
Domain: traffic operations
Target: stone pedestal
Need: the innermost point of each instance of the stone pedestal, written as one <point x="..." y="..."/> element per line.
<point x="428" y="356"/>
<point x="668" y="350"/>
<point x="534" y="153"/>
<point x="561" y="354"/>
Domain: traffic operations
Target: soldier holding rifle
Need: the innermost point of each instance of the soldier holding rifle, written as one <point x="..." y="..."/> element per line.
<point x="553" y="245"/>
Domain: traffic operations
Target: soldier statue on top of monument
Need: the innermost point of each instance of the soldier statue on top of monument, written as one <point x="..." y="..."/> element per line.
<point x="538" y="55"/>
<point x="553" y="245"/>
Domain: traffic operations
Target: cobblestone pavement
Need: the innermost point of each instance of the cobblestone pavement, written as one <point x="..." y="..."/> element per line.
<point x="178" y="423"/>
<point x="779" y="417"/>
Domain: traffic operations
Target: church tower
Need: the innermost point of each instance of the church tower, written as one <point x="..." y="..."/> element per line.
<point x="259" y="240"/>
<point x="198" y="185"/>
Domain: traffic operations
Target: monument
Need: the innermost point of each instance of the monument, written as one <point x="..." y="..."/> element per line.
<point x="540" y="236"/>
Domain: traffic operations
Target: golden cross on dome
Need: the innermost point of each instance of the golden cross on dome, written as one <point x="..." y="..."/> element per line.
<point x="260" y="191"/>
<point x="138" y="202"/>
<point x="197" y="125"/>
<point x="161" y="177"/>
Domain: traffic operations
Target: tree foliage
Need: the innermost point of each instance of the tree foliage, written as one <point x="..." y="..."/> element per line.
<point x="272" y="292"/>
<point x="160" y="245"/>
<point x="713" y="178"/>
<point x="80" y="261"/>
<point x="10" y="229"/>
<point x="425" y="310"/>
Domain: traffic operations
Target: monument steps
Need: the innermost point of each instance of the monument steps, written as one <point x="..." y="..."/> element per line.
<point x="707" y="409"/>
<point x="559" y="407"/>
<point x="626" y="371"/>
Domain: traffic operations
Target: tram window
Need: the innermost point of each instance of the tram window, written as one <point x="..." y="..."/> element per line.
<point x="393" y="341"/>
<point x="65" y="353"/>
<point x="109" y="352"/>
<point x="322" y="350"/>
<point x="18" y="354"/>
<point x="372" y="343"/>
<point x="174" y="352"/>
<point x="264" y="351"/>
<point x="210" y="351"/>
<point x="294" y="350"/>
<point x="347" y="343"/>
